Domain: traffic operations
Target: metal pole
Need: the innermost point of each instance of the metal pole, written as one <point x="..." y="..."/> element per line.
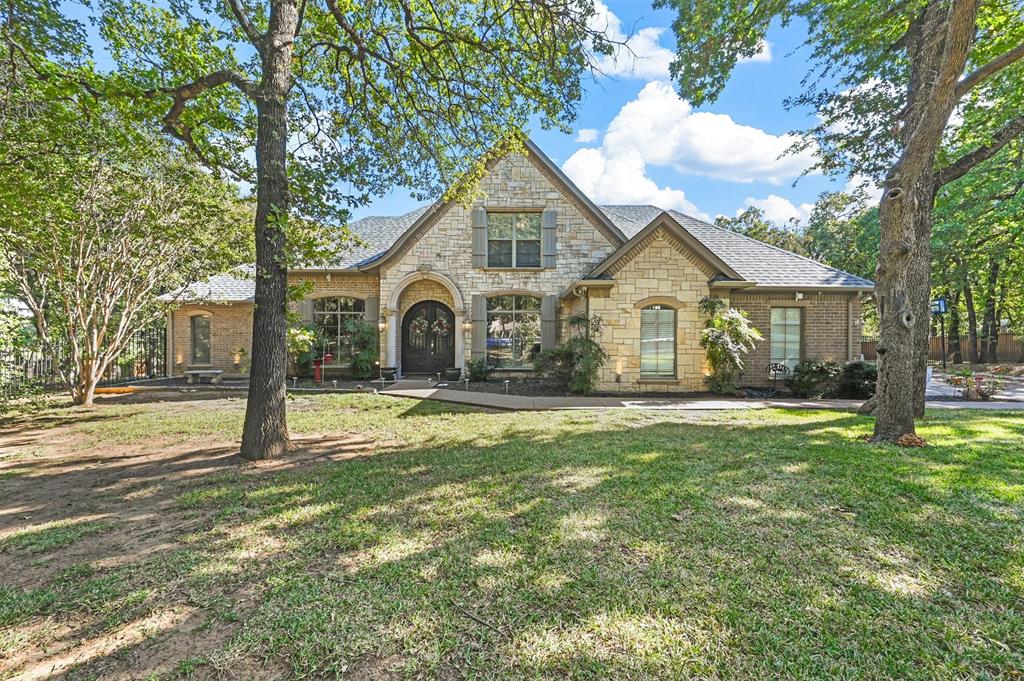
<point x="942" y="322"/>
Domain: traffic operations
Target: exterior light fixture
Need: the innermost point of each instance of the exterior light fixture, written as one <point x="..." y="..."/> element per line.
<point x="382" y="323"/>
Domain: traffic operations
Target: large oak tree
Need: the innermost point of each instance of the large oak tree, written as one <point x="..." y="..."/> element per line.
<point x="340" y="100"/>
<point x="885" y="82"/>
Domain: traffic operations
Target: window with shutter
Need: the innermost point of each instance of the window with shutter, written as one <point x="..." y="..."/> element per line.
<point x="658" y="342"/>
<point x="513" y="239"/>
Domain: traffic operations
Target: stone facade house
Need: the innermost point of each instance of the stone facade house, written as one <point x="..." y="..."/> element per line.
<point x="496" y="281"/>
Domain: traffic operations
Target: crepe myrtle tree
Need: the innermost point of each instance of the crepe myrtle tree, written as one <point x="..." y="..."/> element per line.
<point x="97" y="220"/>
<point x="341" y="100"/>
<point x="885" y="81"/>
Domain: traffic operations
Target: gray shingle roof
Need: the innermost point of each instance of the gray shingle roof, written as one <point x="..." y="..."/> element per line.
<point x="378" y="233"/>
<point x="237" y="286"/>
<point x="753" y="260"/>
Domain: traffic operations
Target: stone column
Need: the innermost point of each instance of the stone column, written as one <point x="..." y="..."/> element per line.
<point x="460" y="339"/>
<point x="392" y="337"/>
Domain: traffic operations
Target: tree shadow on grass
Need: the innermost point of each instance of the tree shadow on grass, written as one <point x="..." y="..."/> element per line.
<point x="588" y="545"/>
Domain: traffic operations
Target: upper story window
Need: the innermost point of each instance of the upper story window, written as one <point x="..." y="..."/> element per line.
<point x="331" y="315"/>
<point x="785" y="336"/>
<point x="513" y="239"/>
<point x="513" y="331"/>
<point x="200" y="339"/>
<point x="658" y="341"/>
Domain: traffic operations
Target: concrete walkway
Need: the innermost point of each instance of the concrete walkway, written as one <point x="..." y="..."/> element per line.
<point x="421" y="389"/>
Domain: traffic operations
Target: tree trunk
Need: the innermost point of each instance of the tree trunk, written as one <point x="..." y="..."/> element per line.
<point x="990" y="325"/>
<point x="937" y="48"/>
<point x="972" y="322"/>
<point x="265" y="433"/>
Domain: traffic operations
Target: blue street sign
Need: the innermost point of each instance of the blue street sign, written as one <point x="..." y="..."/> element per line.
<point x="939" y="306"/>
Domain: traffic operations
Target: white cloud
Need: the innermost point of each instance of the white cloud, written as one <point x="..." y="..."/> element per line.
<point x="780" y="210"/>
<point x="659" y="129"/>
<point x="763" y="54"/>
<point x="642" y="57"/>
<point x="623" y="179"/>
<point x="586" y="135"/>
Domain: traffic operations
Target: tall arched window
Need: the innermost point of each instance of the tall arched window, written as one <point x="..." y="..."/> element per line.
<point x="331" y="315"/>
<point x="658" y="341"/>
<point x="200" y="339"/>
<point x="513" y="331"/>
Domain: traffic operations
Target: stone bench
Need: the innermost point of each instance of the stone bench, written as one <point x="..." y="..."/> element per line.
<point x="197" y="375"/>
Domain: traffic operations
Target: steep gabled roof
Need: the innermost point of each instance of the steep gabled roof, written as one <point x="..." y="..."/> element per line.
<point x="754" y="261"/>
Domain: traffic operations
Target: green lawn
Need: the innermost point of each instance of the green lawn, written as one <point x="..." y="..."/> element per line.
<point x="454" y="543"/>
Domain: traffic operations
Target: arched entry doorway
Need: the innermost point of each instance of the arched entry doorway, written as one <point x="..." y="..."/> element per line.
<point x="428" y="338"/>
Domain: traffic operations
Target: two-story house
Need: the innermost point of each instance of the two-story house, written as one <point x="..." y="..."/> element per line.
<point x="495" y="281"/>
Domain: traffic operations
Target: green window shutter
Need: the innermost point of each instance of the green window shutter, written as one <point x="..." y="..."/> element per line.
<point x="371" y="309"/>
<point x="479" y="318"/>
<point x="548" y="327"/>
<point x="479" y="221"/>
<point x="549" y="238"/>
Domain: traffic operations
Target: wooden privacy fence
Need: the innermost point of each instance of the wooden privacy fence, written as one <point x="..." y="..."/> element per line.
<point x="1009" y="349"/>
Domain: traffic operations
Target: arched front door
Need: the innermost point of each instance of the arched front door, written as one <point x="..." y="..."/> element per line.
<point x="428" y="338"/>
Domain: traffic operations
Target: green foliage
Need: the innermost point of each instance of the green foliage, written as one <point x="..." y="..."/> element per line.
<point x="302" y="342"/>
<point x="573" y="365"/>
<point x="856" y="380"/>
<point x="812" y="378"/>
<point x="363" y="343"/>
<point x="726" y="337"/>
<point x="753" y="223"/>
<point x="478" y="370"/>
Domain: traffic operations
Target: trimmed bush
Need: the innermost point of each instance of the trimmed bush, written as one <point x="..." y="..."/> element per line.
<point x="857" y="380"/>
<point x="477" y="370"/>
<point x="813" y="378"/>
<point x="573" y="366"/>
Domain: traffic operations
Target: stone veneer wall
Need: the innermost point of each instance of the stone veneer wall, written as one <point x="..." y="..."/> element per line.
<point x="230" y="329"/>
<point x="830" y="326"/>
<point x="660" y="270"/>
<point x="445" y="246"/>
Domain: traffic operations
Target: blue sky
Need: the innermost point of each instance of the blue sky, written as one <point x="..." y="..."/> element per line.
<point x="642" y="144"/>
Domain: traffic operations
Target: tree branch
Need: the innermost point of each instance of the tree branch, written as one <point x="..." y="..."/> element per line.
<point x="243" y="20"/>
<point x="964" y="164"/>
<point x="989" y="69"/>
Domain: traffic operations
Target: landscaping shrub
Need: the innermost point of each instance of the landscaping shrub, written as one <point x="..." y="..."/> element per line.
<point x="856" y="381"/>
<point x="302" y="338"/>
<point x="727" y="336"/>
<point x="573" y="366"/>
<point x="363" y="344"/>
<point x="477" y="370"/>
<point x="813" y="378"/>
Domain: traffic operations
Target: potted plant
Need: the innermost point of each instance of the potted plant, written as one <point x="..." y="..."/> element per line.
<point x="452" y="374"/>
<point x="388" y="373"/>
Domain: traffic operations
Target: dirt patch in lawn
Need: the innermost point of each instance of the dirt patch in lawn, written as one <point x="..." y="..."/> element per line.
<point x="84" y="521"/>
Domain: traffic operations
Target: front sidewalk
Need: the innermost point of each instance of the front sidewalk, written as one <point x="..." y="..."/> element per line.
<point x="416" y="389"/>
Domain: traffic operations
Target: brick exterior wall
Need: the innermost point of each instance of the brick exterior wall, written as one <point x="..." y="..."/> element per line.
<point x="660" y="270"/>
<point x="230" y="329"/>
<point x="231" y="324"/>
<point x="830" y="327"/>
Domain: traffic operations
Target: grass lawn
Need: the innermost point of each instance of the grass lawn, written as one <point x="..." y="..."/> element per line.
<point x="409" y="539"/>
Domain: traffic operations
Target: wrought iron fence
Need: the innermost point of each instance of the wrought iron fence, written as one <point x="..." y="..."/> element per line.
<point x="145" y="356"/>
